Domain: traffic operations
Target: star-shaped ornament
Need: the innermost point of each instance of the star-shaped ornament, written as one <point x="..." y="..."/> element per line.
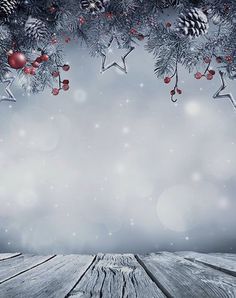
<point x="122" y="66"/>
<point x="8" y="93"/>
<point x="220" y="95"/>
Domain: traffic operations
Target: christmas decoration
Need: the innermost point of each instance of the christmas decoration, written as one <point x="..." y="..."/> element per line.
<point x="94" y="6"/>
<point x="16" y="60"/>
<point x="122" y="67"/>
<point x="219" y="95"/>
<point x="7" y="7"/>
<point x="197" y="34"/>
<point x="10" y="97"/>
<point x="193" y="23"/>
<point x="35" y="29"/>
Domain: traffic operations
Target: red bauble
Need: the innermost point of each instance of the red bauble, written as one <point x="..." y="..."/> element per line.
<point x="17" y="60"/>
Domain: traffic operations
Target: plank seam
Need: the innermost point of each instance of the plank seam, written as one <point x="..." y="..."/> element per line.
<point x="90" y="265"/>
<point x="13" y="276"/>
<point x="11" y="257"/>
<point x="153" y="278"/>
<point x="224" y="270"/>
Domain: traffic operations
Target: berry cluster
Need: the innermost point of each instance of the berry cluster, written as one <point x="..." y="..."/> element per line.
<point x="31" y="70"/>
<point x="62" y="84"/>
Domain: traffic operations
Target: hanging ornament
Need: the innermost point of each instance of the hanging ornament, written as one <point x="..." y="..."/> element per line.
<point x="7" y="7"/>
<point x="35" y="29"/>
<point x="193" y="23"/>
<point x="9" y="95"/>
<point x="121" y="66"/>
<point x="16" y="60"/>
<point x="94" y="6"/>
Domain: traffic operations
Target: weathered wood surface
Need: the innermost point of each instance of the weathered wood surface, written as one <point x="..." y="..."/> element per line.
<point x="177" y="275"/>
<point x="20" y="264"/>
<point x="116" y="276"/>
<point x="5" y="256"/>
<point x="55" y="278"/>
<point x="181" y="278"/>
<point x="216" y="262"/>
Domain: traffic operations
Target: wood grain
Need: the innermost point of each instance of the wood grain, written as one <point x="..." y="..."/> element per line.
<point x="116" y="276"/>
<point x="4" y="256"/>
<point x="223" y="264"/>
<point x="180" y="278"/>
<point x="12" y="267"/>
<point x="53" y="279"/>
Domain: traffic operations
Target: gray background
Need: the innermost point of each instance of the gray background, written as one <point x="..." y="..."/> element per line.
<point x="113" y="165"/>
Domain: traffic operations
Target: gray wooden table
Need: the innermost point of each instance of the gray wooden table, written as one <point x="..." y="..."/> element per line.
<point x="180" y="275"/>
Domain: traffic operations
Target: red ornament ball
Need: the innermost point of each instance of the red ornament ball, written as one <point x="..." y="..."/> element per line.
<point x="17" y="60"/>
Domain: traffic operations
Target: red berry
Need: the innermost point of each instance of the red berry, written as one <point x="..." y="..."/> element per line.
<point x="209" y="76"/>
<point x="198" y="76"/>
<point x="168" y="24"/>
<point x="167" y="80"/>
<point x="140" y="37"/>
<point x="179" y="91"/>
<point x="27" y="70"/>
<point x="172" y="92"/>
<point x="66" y="67"/>
<point x="82" y="21"/>
<point x="55" y="91"/>
<point x="229" y="59"/>
<point x="55" y="74"/>
<point x="133" y="31"/>
<point x="35" y="64"/>
<point x="65" y="82"/>
<point x="39" y="60"/>
<point x="65" y="87"/>
<point x="211" y="71"/>
<point x="32" y="71"/>
<point x="44" y="58"/>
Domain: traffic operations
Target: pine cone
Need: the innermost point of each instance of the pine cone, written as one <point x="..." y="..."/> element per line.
<point x="7" y="7"/>
<point x="35" y="29"/>
<point x="94" y="6"/>
<point x="194" y="23"/>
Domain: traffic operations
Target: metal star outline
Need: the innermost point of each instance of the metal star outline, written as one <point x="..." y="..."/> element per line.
<point x="219" y="95"/>
<point x="10" y="96"/>
<point x="122" y="67"/>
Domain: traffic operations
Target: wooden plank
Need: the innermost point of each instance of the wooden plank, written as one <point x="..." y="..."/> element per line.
<point x="114" y="276"/>
<point x="53" y="279"/>
<point x="18" y="265"/>
<point x="181" y="278"/>
<point x="225" y="265"/>
<point x="4" y="256"/>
